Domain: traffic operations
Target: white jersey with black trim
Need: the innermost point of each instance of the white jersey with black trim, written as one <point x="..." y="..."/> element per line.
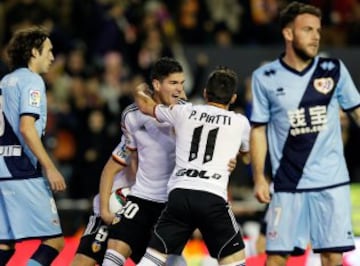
<point x="207" y="137"/>
<point x="155" y="144"/>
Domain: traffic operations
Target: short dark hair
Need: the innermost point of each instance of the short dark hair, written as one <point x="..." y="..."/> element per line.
<point x="221" y="85"/>
<point x="164" y="67"/>
<point x="294" y="9"/>
<point x="23" y="41"/>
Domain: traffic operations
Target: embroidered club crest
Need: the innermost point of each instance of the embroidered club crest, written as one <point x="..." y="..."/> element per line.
<point x="116" y="219"/>
<point x="324" y="85"/>
<point x="95" y="246"/>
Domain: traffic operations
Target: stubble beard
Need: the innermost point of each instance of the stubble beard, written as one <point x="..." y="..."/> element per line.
<point x="301" y="53"/>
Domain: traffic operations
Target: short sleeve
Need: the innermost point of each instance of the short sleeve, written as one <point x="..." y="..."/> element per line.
<point x="167" y="113"/>
<point x="260" y="103"/>
<point x="347" y="94"/>
<point x="121" y="153"/>
<point x="245" y="138"/>
<point x="32" y="96"/>
<point x="128" y="128"/>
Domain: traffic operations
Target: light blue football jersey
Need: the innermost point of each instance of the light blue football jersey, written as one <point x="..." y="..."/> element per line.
<point x="28" y="209"/>
<point x="301" y="110"/>
<point x="22" y="92"/>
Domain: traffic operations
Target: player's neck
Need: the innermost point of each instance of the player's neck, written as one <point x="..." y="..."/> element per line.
<point x="219" y="105"/>
<point x="296" y="62"/>
<point x="33" y="66"/>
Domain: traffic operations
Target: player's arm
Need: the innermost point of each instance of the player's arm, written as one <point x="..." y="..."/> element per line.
<point x="232" y="164"/>
<point x="258" y="150"/>
<point x="355" y="114"/>
<point x="111" y="168"/>
<point x="244" y="152"/>
<point x="122" y="157"/>
<point x="143" y="99"/>
<point x="28" y="131"/>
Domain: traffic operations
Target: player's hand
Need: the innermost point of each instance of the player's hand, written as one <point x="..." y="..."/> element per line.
<point x="56" y="180"/>
<point x="143" y="88"/>
<point x="262" y="190"/>
<point x="107" y="216"/>
<point x="232" y="164"/>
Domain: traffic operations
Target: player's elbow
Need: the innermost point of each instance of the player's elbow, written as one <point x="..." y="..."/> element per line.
<point x="24" y="130"/>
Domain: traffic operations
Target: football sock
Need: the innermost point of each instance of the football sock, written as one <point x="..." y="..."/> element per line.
<point x="152" y="259"/>
<point x="5" y="256"/>
<point x="113" y="258"/>
<point x="43" y="256"/>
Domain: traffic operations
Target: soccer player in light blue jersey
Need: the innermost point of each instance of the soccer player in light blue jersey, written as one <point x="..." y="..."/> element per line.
<point x="27" y="174"/>
<point x="296" y="101"/>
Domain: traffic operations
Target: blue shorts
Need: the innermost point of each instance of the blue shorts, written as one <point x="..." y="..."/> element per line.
<point x="27" y="210"/>
<point x="320" y="218"/>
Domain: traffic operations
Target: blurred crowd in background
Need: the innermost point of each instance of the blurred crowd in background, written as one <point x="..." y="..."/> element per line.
<point x="103" y="48"/>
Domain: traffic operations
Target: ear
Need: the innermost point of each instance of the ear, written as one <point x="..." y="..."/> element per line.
<point x="287" y="34"/>
<point x="233" y="98"/>
<point x="156" y="85"/>
<point x="34" y="52"/>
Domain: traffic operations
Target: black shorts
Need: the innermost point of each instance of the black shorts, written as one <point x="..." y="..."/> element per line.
<point x="187" y="210"/>
<point x="93" y="242"/>
<point x="136" y="224"/>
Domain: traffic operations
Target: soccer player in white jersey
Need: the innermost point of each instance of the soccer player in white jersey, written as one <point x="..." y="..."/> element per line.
<point x="155" y="146"/>
<point x="207" y="136"/>
<point x="296" y="101"/>
<point x="120" y="168"/>
<point x="27" y="174"/>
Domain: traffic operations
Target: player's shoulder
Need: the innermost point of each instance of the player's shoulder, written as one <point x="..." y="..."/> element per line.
<point x="134" y="118"/>
<point x="129" y="111"/>
<point x="28" y="77"/>
<point x="240" y="117"/>
<point x="23" y="77"/>
<point x="182" y="102"/>
<point x="267" y="68"/>
<point x="180" y="106"/>
<point x="329" y="63"/>
<point x="128" y="116"/>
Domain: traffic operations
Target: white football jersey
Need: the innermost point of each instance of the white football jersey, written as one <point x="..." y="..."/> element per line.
<point x="155" y="144"/>
<point x="207" y="137"/>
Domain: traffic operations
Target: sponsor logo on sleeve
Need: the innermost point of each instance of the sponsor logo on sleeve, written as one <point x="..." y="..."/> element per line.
<point x="34" y="98"/>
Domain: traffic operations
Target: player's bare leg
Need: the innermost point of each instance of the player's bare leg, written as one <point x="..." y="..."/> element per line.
<point x="237" y="258"/>
<point x="276" y="260"/>
<point x="331" y="259"/>
<point x="48" y="250"/>
<point x="83" y="260"/>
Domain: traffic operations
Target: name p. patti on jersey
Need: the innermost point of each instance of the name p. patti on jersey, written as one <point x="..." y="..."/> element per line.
<point x="209" y="118"/>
